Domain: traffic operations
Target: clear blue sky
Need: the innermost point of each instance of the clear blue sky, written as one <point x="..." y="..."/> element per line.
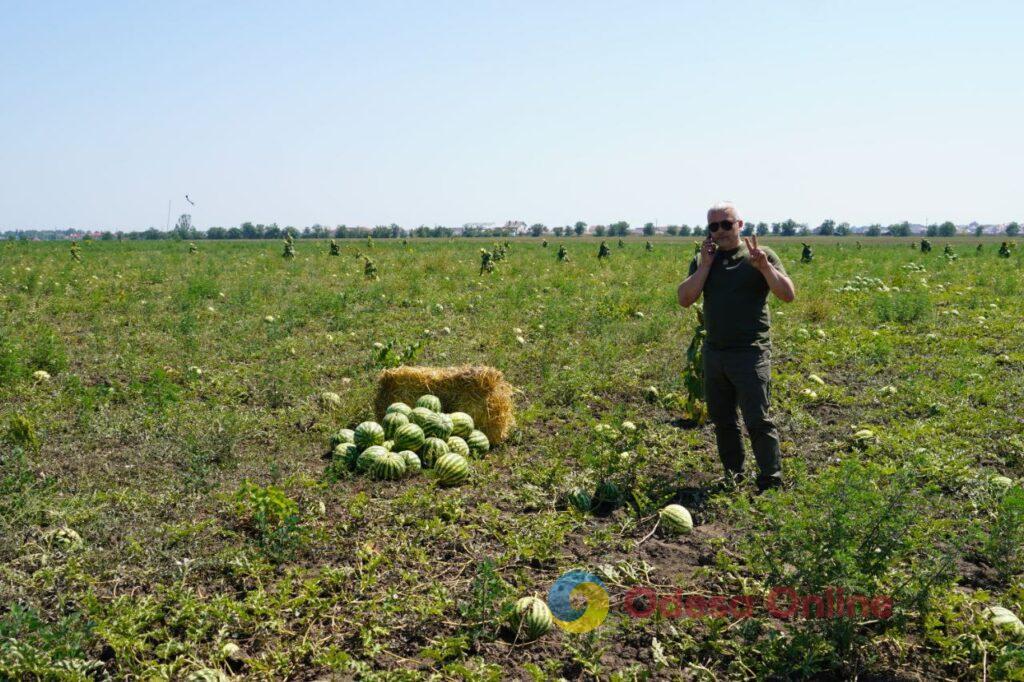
<point x="452" y="112"/>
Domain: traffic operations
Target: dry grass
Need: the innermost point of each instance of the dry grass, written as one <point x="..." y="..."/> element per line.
<point x="477" y="390"/>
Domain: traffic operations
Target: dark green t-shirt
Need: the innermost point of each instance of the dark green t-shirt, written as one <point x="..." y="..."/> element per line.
<point x="736" y="301"/>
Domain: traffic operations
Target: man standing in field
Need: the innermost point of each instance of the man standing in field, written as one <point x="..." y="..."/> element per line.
<point x="735" y="279"/>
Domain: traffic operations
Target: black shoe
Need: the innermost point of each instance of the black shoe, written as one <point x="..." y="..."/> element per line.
<point x="770" y="484"/>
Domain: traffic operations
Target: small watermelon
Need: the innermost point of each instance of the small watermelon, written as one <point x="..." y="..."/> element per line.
<point x="63" y="539"/>
<point x="342" y="436"/>
<point x="579" y="499"/>
<point x="451" y="469"/>
<point x="368" y="456"/>
<point x="462" y="424"/>
<point x="458" y="446"/>
<point x="676" y="520"/>
<point x="1005" y="618"/>
<point x="607" y="497"/>
<point x="412" y="462"/>
<point x="392" y="421"/>
<point x="398" y="408"/>
<point x="409" y="437"/>
<point x="367" y="434"/>
<point x="478" y="443"/>
<point x="431" y="402"/>
<point x="1002" y="482"/>
<point x="388" y="445"/>
<point x="389" y="467"/>
<point x="347" y="453"/>
<point x="432" y="449"/>
<point x="531" y="619"/>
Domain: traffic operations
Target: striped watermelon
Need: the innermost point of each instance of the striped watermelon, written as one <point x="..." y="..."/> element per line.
<point x="478" y="443"/>
<point x="458" y="446"/>
<point x="579" y="499"/>
<point x="441" y="427"/>
<point x="367" y="457"/>
<point x="462" y="424"/>
<point x="676" y="520"/>
<point x="432" y="449"/>
<point x="431" y="402"/>
<point x="389" y="467"/>
<point x="412" y="462"/>
<point x="367" y="434"/>
<point x="409" y="437"/>
<point x="420" y="415"/>
<point x="433" y="425"/>
<point x="531" y="619"/>
<point x="342" y="436"/>
<point x="451" y="469"/>
<point x="399" y="408"/>
<point x="388" y="445"/>
<point x="607" y="497"/>
<point x="392" y="421"/>
<point x="347" y="453"/>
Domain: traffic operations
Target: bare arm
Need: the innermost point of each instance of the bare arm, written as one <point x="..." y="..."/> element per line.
<point x="780" y="284"/>
<point x="690" y="290"/>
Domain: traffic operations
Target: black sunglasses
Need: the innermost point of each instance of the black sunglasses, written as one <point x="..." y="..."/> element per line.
<point x="721" y="225"/>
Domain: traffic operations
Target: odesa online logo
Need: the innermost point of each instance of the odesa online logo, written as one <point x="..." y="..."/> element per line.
<point x="582" y="584"/>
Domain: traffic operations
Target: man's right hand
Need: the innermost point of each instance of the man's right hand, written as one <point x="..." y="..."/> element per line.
<point x="707" y="252"/>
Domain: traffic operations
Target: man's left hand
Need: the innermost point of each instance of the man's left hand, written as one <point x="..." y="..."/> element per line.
<point x="758" y="258"/>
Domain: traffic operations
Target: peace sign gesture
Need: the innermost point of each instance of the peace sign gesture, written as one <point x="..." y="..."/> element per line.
<point x="758" y="258"/>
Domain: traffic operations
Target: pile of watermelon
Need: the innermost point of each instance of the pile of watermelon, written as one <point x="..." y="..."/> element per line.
<point x="410" y="439"/>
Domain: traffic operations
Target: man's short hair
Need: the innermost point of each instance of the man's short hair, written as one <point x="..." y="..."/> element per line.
<point x="725" y="206"/>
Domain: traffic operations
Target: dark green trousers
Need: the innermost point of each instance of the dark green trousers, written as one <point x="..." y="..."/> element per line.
<point x="742" y="378"/>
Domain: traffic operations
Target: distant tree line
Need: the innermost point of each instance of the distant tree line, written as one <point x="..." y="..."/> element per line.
<point x="184" y="230"/>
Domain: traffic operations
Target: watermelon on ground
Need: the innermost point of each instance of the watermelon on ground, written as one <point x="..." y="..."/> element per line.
<point x="462" y="424"/>
<point x="478" y="443"/>
<point x="457" y="445"/>
<point x="389" y="467"/>
<point x="392" y="421"/>
<point x="451" y="469"/>
<point x="368" y="433"/>
<point x="531" y="619"/>
<point x="432" y="449"/>
<point x="409" y="437"/>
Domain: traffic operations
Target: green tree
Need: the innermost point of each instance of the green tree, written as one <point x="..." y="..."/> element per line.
<point x="762" y="229"/>
<point x="978" y="231"/>
<point x="900" y="229"/>
<point x="842" y="229"/>
<point x="827" y="228"/>
<point x="619" y="229"/>
<point x="931" y="231"/>
<point x="684" y="231"/>
<point x="537" y="229"/>
<point x="648" y="229"/>
<point x="1013" y="229"/>
<point x="579" y="228"/>
<point x="874" y="231"/>
<point x="748" y="230"/>
<point x="672" y="230"/>
<point x="947" y="229"/>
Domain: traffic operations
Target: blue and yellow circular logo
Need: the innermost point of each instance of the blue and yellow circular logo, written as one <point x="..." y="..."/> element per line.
<point x="582" y="584"/>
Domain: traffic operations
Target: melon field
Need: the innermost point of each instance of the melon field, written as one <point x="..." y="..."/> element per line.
<point x="170" y="507"/>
